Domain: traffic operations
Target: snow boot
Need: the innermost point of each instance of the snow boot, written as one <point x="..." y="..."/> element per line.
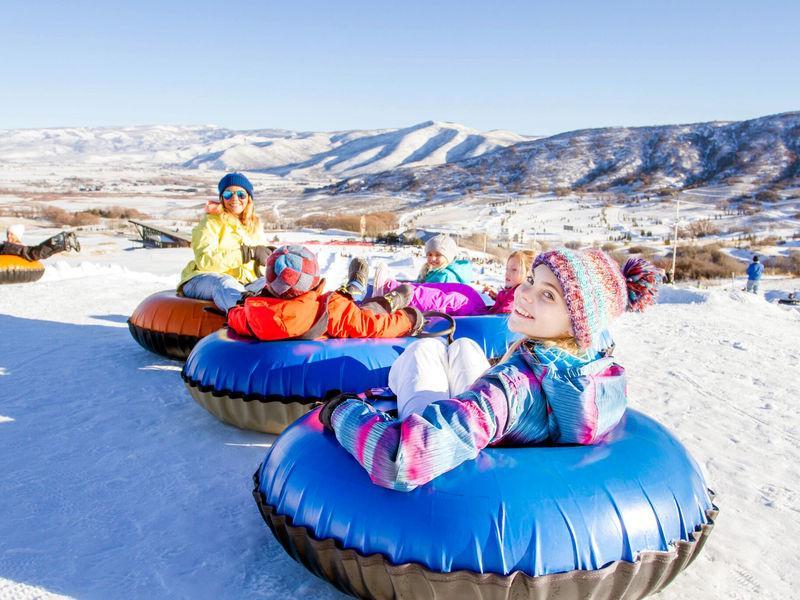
<point x="380" y="278"/>
<point x="71" y="241"/>
<point x="399" y="297"/>
<point x="357" y="275"/>
<point x="388" y="303"/>
<point x="62" y="242"/>
<point x="57" y="243"/>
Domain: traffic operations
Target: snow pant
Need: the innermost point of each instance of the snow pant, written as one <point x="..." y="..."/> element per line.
<point x="39" y="252"/>
<point x="223" y="290"/>
<point x="457" y="299"/>
<point x="429" y="370"/>
<point x="752" y="285"/>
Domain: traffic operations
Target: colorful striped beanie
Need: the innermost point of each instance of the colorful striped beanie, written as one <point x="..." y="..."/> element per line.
<point x="597" y="291"/>
<point x="292" y="271"/>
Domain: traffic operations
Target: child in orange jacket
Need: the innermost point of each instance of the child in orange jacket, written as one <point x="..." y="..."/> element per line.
<point x="292" y="304"/>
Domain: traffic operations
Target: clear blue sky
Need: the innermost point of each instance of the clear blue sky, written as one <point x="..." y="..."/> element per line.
<point x="531" y="67"/>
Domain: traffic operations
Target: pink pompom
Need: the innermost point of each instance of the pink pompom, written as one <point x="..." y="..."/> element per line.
<point x="642" y="279"/>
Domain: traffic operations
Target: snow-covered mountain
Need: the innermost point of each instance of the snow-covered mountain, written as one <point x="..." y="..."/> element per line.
<point x="286" y="153"/>
<point x="763" y="150"/>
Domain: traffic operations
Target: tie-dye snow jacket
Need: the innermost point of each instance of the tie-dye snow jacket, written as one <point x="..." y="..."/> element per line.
<point x="537" y="395"/>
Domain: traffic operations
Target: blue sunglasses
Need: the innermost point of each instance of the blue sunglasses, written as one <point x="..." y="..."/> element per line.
<point x="227" y="195"/>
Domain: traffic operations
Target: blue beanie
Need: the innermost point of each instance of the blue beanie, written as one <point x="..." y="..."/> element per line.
<point x="235" y="179"/>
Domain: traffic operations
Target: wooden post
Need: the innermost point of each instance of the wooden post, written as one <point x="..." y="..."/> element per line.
<point x="675" y="239"/>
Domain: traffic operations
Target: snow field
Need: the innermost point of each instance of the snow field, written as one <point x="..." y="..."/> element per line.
<point x="115" y="484"/>
<point x="723" y="375"/>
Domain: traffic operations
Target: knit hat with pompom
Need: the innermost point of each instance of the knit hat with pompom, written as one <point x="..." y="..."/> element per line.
<point x="597" y="291"/>
<point x="292" y="271"/>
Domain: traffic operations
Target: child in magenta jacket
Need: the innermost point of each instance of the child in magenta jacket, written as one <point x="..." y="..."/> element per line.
<point x="557" y="385"/>
<point x="461" y="299"/>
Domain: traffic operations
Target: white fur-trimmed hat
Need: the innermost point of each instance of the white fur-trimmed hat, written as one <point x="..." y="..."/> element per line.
<point x="17" y="230"/>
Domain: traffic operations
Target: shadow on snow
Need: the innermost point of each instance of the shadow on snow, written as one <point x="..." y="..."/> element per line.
<point x="115" y="483"/>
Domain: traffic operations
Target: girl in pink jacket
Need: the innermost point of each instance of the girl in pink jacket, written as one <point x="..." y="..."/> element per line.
<point x="461" y="299"/>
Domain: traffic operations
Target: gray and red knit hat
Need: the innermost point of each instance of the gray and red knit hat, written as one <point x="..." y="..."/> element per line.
<point x="292" y="271"/>
<point x="597" y="291"/>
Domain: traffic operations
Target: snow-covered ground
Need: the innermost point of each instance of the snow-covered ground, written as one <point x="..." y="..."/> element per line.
<point x="597" y="218"/>
<point x="115" y="484"/>
<point x="173" y="197"/>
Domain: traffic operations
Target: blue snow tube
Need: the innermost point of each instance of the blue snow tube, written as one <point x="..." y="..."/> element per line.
<point x="489" y="331"/>
<point x="264" y="386"/>
<point x="618" y="519"/>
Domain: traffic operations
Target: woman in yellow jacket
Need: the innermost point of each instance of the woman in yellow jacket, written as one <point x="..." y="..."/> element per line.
<point x="228" y="248"/>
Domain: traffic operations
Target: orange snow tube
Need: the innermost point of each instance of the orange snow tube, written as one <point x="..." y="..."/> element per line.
<point x="170" y="325"/>
<point x="15" y="269"/>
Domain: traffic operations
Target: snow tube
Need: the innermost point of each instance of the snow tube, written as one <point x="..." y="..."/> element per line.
<point x="171" y="325"/>
<point x="490" y="331"/>
<point x="619" y="519"/>
<point x="15" y="269"/>
<point x="790" y="301"/>
<point x="264" y="386"/>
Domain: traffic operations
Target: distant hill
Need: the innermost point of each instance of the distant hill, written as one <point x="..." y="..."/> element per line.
<point x="280" y="152"/>
<point x="762" y="151"/>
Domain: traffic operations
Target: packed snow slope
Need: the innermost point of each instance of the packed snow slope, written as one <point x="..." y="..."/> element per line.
<point x="274" y="151"/>
<point x="115" y="484"/>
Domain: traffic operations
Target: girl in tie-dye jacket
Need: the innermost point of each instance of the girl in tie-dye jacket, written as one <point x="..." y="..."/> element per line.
<point x="560" y="384"/>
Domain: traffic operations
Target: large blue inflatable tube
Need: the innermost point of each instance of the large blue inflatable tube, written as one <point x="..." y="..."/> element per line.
<point x="540" y="510"/>
<point x="290" y="370"/>
<point x="264" y="386"/>
<point x="489" y="331"/>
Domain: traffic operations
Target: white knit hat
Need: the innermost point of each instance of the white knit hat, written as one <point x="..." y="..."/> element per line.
<point x="444" y="245"/>
<point x="17" y="230"/>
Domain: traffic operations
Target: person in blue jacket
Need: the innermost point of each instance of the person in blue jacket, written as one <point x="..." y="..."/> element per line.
<point x="754" y="272"/>
<point x="441" y="265"/>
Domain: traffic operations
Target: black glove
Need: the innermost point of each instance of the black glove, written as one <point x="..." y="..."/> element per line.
<point x="256" y="253"/>
<point x="245" y="295"/>
<point x="417" y="320"/>
<point x="330" y="405"/>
